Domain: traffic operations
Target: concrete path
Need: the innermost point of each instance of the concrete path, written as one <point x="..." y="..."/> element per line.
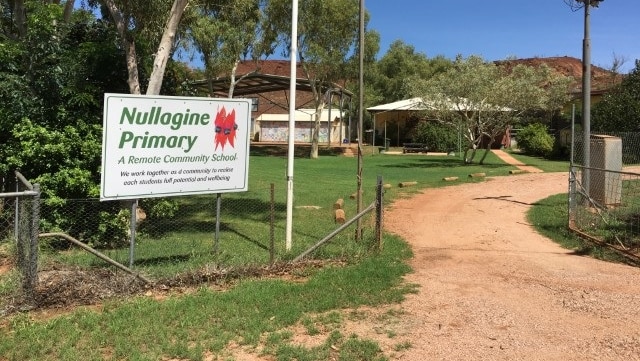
<point x="507" y="158"/>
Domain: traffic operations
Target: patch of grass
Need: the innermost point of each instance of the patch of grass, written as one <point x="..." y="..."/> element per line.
<point x="9" y="286"/>
<point x="402" y="346"/>
<point x="550" y="216"/>
<point x="184" y="326"/>
<point x="546" y="165"/>
<point x="321" y="323"/>
<point x="10" y="279"/>
<point x="356" y="349"/>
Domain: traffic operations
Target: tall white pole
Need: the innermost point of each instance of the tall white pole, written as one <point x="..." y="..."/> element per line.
<point x="360" y="118"/>
<point x="586" y="98"/>
<point x="292" y="121"/>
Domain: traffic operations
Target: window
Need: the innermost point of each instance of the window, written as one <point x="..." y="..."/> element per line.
<point x="254" y="104"/>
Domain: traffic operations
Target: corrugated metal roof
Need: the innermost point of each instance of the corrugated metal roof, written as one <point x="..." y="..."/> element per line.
<point x="407" y="104"/>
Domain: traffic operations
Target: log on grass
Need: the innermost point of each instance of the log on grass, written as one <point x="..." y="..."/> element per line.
<point x="477" y="175"/>
<point x="407" y="184"/>
<point x="340" y="217"/>
<point x="338" y="204"/>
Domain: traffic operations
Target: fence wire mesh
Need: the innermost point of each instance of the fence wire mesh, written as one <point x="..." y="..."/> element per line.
<point x="610" y="212"/>
<point x="178" y="240"/>
<point x="630" y="150"/>
<point x="19" y="219"/>
<point x="604" y="192"/>
<point x="7" y="221"/>
<point x="182" y="230"/>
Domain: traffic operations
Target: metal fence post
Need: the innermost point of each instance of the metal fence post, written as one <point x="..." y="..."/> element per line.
<point x="379" y="204"/>
<point x="32" y="274"/>
<point x="132" y="230"/>
<point x="272" y="225"/>
<point x="16" y="224"/>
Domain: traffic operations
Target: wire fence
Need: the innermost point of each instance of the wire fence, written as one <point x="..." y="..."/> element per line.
<point x="19" y="221"/>
<point x="604" y="191"/>
<point x="182" y="240"/>
<point x="7" y="221"/>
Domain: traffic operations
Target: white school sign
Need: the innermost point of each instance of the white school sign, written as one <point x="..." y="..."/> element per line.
<point x="159" y="146"/>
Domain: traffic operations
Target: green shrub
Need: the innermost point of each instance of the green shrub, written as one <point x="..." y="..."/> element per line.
<point x="438" y="137"/>
<point x="535" y="140"/>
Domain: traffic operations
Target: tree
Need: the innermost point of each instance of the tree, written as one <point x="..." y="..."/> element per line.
<point x="52" y="82"/>
<point x="131" y="17"/>
<point x="327" y="37"/>
<point x="351" y="77"/>
<point x="619" y="110"/>
<point x="483" y="99"/>
<point x="400" y="66"/>
<point x="224" y="33"/>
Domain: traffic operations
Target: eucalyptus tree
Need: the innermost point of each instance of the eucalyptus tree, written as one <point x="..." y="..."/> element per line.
<point x="482" y="99"/>
<point x="52" y="80"/>
<point x="619" y="110"/>
<point x="400" y="65"/>
<point x="350" y="79"/>
<point x="157" y="21"/>
<point x="327" y="37"/>
<point x="226" y="32"/>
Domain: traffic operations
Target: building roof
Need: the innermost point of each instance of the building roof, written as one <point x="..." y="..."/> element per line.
<point x="417" y="104"/>
<point x="253" y="84"/>
<point x="407" y="104"/>
<point x="263" y="77"/>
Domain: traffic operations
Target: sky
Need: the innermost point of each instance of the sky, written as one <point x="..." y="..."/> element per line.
<point x="498" y="29"/>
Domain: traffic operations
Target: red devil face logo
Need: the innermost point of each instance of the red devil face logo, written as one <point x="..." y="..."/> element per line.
<point x="225" y="128"/>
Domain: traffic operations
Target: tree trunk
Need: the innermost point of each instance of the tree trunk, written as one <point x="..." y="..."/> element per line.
<point x="132" y="66"/>
<point x="474" y="149"/>
<point x="486" y="151"/>
<point x="20" y="18"/>
<point x="68" y="10"/>
<point x="315" y="135"/>
<point x="166" y="46"/>
<point x="232" y="78"/>
<point x="129" y="45"/>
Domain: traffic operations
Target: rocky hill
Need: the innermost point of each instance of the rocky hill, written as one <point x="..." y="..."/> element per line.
<point x="601" y="79"/>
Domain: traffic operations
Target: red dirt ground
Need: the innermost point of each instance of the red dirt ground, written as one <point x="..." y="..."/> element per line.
<point x="491" y="288"/>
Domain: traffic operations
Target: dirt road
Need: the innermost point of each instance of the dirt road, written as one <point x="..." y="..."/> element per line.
<point x="491" y="288"/>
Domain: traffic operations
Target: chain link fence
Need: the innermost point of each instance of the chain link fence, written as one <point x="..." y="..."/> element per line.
<point x="186" y="240"/>
<point x="19" y="220"/>
<point x="7" y="219"/>
<point x="604" y="191"/>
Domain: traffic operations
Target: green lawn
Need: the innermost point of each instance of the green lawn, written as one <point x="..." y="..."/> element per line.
<point x="250" y="311"/>
<point x="539" y="162"/>
<point x="167" y="247"/>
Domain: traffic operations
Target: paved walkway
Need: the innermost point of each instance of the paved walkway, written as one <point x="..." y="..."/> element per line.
<point x="507" y="158"/>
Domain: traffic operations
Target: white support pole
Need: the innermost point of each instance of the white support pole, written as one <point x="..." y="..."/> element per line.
<point x="586" y="99"/>
<point x="292" y="122"/>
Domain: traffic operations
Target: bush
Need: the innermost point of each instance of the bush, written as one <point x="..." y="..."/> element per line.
<point x="535" y="140"/>
<point x="438" y="137"/>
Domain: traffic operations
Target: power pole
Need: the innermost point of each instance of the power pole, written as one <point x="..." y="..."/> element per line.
<point x="586" y="91"/>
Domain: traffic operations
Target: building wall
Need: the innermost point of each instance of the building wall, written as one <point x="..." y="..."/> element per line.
<point x="278" y="131"/>
<point x="272" y="104"/>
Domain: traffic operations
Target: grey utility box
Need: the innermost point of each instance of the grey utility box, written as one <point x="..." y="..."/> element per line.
<point x="605" y="185"/>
